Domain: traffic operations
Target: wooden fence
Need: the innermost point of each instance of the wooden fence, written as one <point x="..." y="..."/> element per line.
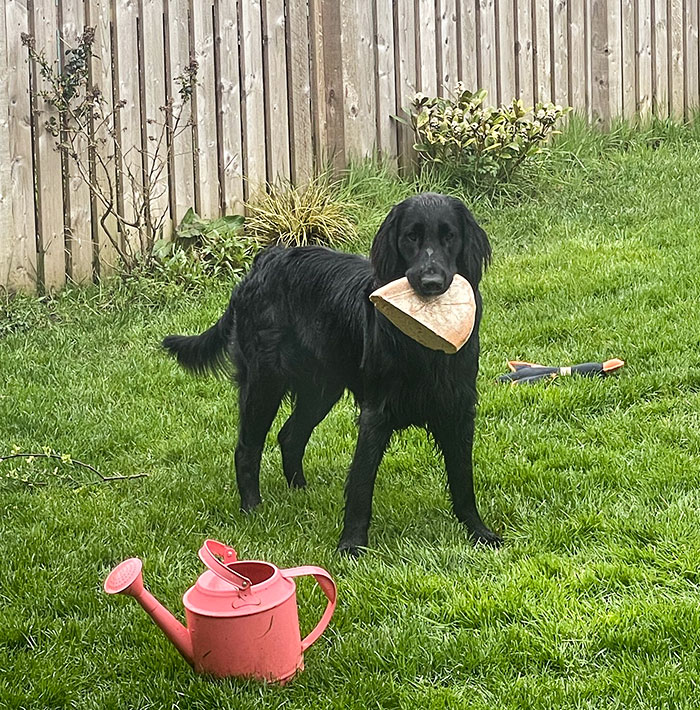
<point x="286" y="85"/>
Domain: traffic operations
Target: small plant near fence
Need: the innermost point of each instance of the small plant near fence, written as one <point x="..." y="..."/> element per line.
<point x="483" y="145"/>
<point x="313" y="213"/>
<point x="126" y="182"/>
<point x="285" y="214"/>
<point x="203" y="249"/>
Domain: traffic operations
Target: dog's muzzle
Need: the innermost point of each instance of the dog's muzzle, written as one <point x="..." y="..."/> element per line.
<point x="429" y="281"/>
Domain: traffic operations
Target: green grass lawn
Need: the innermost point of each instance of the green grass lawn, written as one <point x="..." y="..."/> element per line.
<point x="593" y="601"/>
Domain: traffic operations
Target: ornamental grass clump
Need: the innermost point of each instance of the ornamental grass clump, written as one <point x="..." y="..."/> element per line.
<point x="481" y="143"/>
<point x="300" y="215"/>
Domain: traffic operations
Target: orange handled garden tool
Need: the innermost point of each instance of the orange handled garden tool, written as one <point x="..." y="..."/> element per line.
<point x="529" y="372"/>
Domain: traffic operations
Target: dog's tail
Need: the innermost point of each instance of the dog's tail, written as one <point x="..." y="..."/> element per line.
<point x="205" y="353"/>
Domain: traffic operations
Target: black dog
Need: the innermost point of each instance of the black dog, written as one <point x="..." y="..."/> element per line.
<point x="301" y="323"/>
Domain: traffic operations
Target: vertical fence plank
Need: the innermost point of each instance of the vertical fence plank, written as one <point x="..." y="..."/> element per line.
<point x="543" y="58"/>
<point x="600" y="94"/>
<point x="6" y="220"/>
<point x="524" y="60"/>
<point x="406" y="86"/>
<point x="253" y="95"/>
<point x="78" y="232"/>
<point x="51" y="257"/>
<point x="333" y="98"/>
<point x="629" y="59"/>
<point x="588" y="49"/>
<point x="675" y="58"/>
<point x="614" y="58"/>
<point x="300" y="116"/>
<point x="359" y="94"/>
<point x="105" y="232"/>
<point x="386" y="81"/>
<point x="126" y="60"/>
<point x="205" y="133"/>
<point x="506" y="51"/>
<point x="276" y="101"/>
<point x="154" y="136"/>
<point x="660" y="59"/>
<point x="644" y="58"/>
<point x="427" y="45"/>
<point x="18" y="269"/>
<point x="448" y="47"/>
<point x="487" y="50"/>
<point x="229" y="87"/>
<point x="577" y="58"/>
<point x="182" y="166"/>
<point x="560" y="44"/>
<point x="692" y="57"/>
<point x="317" y="77"/>
<point x="468" y="44"/>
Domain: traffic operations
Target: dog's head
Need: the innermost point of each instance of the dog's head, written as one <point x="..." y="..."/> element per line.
<point x="429" y="238"/>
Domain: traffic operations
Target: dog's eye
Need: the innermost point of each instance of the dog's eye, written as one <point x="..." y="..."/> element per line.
<point x="411" y="236"/>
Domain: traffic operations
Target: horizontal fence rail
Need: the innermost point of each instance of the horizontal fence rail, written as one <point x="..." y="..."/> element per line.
<point x="286" y="87"/>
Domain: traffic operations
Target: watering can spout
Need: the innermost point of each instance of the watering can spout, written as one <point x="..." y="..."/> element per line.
<point x="126" y="578"/>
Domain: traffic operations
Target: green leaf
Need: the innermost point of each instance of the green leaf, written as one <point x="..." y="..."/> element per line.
<point x="163" y="248"/>
<point x="189" y="217"/>
<point x="233" y="221"/>
<point x="422" y="118"/>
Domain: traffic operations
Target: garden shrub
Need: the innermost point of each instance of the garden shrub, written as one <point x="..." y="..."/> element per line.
<point x="481" y="144"/>
<point x="202" y="249"/>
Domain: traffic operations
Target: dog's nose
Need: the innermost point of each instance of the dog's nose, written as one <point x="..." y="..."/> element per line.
<point x="432" y="283"/>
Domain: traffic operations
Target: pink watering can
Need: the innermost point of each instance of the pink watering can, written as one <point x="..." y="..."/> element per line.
<point x="241" y="615"/>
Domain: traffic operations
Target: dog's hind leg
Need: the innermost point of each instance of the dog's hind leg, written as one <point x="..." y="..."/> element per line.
<point x="310" y="407"/>
<point x="258" y="401"/>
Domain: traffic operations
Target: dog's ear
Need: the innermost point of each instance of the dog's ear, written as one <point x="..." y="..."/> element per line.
<point x="384" y="255"/>
<point x="476" y="250"/>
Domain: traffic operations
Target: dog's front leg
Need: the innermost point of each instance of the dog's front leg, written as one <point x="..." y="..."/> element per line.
<point x="455" y="439"/>
<point x="373" y="438"/>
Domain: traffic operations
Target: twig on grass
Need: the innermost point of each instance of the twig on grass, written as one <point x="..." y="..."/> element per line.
<point x="63" y="458"/>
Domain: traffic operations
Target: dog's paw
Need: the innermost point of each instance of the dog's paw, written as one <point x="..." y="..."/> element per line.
<point x="250" y="504"/>
<point x="350" y="549"/>
<point x="297" y="481"/>
<point x="487" y="537"/>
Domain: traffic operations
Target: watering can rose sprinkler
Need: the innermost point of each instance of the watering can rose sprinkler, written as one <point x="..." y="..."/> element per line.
<point x="242" y="616"/>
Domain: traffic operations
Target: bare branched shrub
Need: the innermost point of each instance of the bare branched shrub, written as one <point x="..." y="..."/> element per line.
<point x="84" y="127"/>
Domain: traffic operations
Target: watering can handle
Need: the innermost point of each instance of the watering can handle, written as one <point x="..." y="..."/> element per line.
<point x="209" y="553"/>
<point x="325" y="581"/>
